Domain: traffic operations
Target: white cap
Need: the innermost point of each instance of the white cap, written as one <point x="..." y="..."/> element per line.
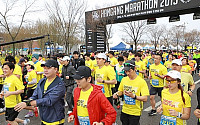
<point x="174" y="74"/>
<point x="177" y="61"/>
<point x="102" y="56"/>
<point x="65" y="58"/>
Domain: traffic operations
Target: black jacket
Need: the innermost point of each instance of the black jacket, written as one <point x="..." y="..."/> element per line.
<point x="78" y="62"/>
<point x="68" y="71"/>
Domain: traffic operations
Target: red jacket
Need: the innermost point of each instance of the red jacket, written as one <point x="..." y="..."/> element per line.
<point x="99" y="108"/>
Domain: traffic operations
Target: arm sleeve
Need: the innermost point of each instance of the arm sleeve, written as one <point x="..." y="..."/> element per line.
<point x="111" y="114"/>
<point x="191" y="81"/>
<point x="34" y="80"/>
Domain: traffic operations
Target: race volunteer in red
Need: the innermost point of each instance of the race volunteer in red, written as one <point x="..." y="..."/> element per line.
<point x="91" y="107"/>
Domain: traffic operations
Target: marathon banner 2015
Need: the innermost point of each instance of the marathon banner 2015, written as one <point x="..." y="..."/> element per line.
<point x="144" y="7"/>
<point x="132" y="11"/>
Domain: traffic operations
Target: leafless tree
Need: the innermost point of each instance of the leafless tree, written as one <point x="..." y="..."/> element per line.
<point x="68" y="15"/>
<point x="166" y="37"/>
<point x="134" y="30"/>
<point x="178" y="33"/>
<point x="7" y="16"/>
<point x="155" y="33"/>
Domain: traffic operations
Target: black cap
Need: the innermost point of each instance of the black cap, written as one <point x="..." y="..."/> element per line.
<point x="51" y="63"/>
<point x="21" y="60"/>
<point x="82" y="71"/>
<point x="130" y="64"/>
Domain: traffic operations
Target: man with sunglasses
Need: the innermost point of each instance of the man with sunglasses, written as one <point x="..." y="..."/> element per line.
<point x="157" y="71"/>
<point x="48" y="96"/>
<point x="135" y="91"/>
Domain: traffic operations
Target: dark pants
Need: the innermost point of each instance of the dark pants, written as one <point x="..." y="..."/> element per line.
<point x="69" y="97"/>
<point x="1" y="100"/>
<point x="45" y="124"/>
<point x="110" y="99"/>
<point x="129" y="119"/>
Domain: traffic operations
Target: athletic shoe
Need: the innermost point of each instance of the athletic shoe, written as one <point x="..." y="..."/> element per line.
<point x="30" y="114"/>
<point x="36" y="111"/>
<point x="152" y="112"/>
<point x="69" y="112"/>
<point x="66" y="104"/>
<point x="2" y="110"/>
<point x="26" y="121"/>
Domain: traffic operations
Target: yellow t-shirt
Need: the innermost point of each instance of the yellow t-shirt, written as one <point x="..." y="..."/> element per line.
<point x="139" y="87"/>
<point x="95" y="66"/>
<point x="60" y="68"/>
<point x="18" y="71"/>
<point x="174" y="101"/>
<point x="145" y="61"/>
<point x="12" y="83"/>
<point x="46" y="85"/>
<point x="1" y="78"/>
<point x="82" y="110"/>
<point x="38" y="68"/>
<point x="31" y="75"/>
<point x="186" y="68"/>
<point x="113" y="61"/>
<point x="89" y="64"/>
<point x="168" y="65"/>
<point x="105" y="74"/>
<point x="140" y="66"/>
<point x="159" y="69"/>
<point x="130" y="57"/>
<point x="164" y="56"/>
<point x="186" y="78"/>
<point x="112" y="71"/>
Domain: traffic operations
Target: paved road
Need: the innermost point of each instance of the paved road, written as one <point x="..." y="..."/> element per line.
<point x="145" y="119"/>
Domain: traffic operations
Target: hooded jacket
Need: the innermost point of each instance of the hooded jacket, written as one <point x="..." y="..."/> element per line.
<point x="99" y="108"/>
<point x="68" y="71"/>
<point x="51" y="103"/>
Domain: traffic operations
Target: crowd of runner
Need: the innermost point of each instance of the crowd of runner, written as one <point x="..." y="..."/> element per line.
<point x="90" y="84"/>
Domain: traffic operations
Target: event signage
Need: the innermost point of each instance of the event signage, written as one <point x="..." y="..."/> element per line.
<point x="143" y="7"/>
<point x="134" y="10"/>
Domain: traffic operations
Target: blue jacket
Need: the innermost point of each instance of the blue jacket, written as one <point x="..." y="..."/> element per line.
<point x="51" y="103"/>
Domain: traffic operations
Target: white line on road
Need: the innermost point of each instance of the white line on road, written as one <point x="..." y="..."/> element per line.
<point x="197" y="82"/>
<point x="158" y="103"/>
<point x="149" y="108"/>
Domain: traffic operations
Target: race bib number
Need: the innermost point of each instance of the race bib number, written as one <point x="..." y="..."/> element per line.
<point x="166" y="120"/>
<point x="155" y="82"/>
<point x="6" y="88"/>
<point x="128" y="100"/>
<point x="84" y="120"/>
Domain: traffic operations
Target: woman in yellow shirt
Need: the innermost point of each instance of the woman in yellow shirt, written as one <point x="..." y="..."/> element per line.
<point x="185" y="66"/>
<point x="31" y="79"/>
<point x="176" y="104"/>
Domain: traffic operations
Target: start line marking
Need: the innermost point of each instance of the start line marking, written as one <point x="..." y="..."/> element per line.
<point x="158" y="103"/>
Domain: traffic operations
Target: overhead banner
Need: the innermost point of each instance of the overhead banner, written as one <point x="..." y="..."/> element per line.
<point x="144" y="7"/>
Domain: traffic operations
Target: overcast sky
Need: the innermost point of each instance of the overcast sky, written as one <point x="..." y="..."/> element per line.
<point x="93" y="4"/>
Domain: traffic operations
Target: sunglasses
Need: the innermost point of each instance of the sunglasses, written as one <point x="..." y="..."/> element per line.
<point x="128" y="65"/>
<point x="171" y="81"/>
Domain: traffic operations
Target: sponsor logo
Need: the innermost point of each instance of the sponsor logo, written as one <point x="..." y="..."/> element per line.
<point x="185" y="1"/>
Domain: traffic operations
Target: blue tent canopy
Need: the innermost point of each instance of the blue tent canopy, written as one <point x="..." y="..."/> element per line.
<point x="120" y="46"/>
